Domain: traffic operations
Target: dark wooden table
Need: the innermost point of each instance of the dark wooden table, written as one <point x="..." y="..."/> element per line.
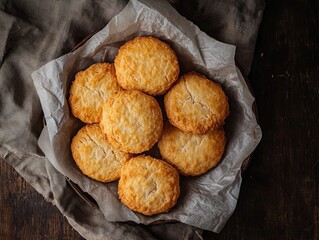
<point x="279" y="198"/>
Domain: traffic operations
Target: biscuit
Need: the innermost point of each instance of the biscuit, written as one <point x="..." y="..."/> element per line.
<point x="195" y="104"/>
<point x="148" y="185"/>
<point x="146" y="64"/>
<point x="132" y="120"/>
<point x="191" y="154"/>
<point x="95" y="157"/>
<point x="90" y="89"/>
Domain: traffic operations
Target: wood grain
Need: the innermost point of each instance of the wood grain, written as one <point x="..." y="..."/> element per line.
<point x="25" y="214"/>
<point x="279" y="197"/>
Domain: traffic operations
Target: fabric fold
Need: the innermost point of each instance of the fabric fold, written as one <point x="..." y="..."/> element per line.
<point x="50" y="29"/>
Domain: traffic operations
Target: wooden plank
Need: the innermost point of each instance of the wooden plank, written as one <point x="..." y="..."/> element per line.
<point x="25" y="214"/>
<point x="279" y="194"/>
<point x="279" y="197"/>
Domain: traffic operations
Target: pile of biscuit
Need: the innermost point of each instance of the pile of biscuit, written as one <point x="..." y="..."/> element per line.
<point x="124" y="120"/>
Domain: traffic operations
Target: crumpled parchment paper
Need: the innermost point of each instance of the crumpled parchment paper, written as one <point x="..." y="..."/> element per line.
<point x="206" y="201"/>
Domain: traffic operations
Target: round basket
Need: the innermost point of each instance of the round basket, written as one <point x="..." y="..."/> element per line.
<point x="89" y="199"/>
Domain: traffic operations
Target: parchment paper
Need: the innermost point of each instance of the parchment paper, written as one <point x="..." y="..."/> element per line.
<point x="206" y="201"/>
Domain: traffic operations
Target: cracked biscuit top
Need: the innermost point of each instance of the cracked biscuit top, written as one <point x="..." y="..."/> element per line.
<point x="132" y="120"/>
<point x="90" y="89"/>
<point x="146" y="64"/>
<point x="148" y="185"/>
<point x="95" y="157"/>
<point x="192" y="154"/>
<point x="195" y="104"/>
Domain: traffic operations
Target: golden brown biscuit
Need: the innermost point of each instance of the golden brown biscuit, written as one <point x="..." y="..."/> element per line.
<point x="90" y="89"/>
<point x="95" y="157"/>
<point x="146" y="64"/>
<point x="192" y="154"/>
<point x="148" y="185"/>
<point x="132" y="120"/>
<point x="196" y="104"/>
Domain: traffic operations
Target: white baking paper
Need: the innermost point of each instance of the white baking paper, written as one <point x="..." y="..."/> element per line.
<point x="206" y="201"/>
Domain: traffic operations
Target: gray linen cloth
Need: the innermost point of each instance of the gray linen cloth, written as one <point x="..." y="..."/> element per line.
<point x="34" y="32"/>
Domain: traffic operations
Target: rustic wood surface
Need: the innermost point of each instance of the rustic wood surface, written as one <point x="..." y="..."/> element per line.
<point x="279" y="197"/>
